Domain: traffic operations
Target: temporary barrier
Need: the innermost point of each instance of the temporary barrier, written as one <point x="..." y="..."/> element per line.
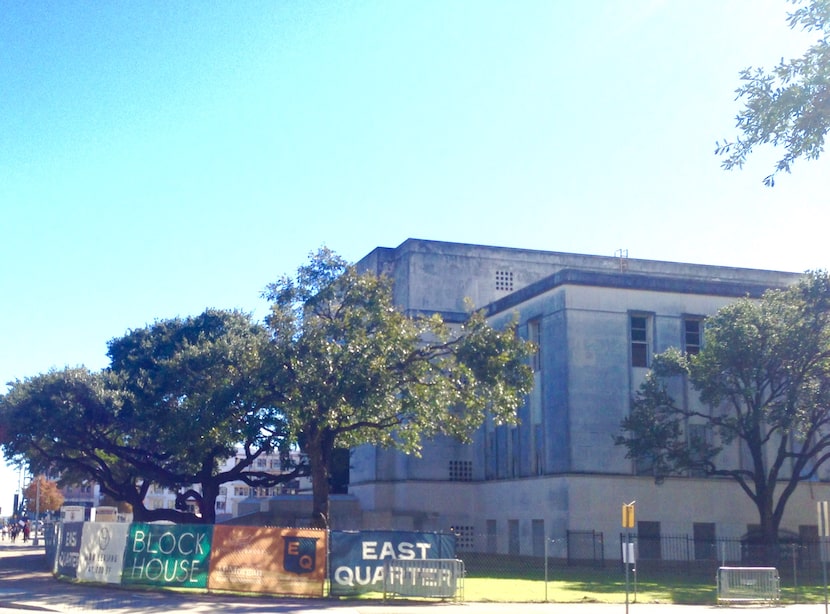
<point x="282" y="561"/>
<point x="357" y="558"/>
<point x="748" y="584"/>
<point x="438" y="578"/>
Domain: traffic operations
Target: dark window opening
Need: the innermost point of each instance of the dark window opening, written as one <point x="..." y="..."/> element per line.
<point x="639" y="341"/>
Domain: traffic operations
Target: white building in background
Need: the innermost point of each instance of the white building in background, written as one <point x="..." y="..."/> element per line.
<point x="597" y="321"/>
<point x="87" y="494"/>
<point x="230" y="495"/>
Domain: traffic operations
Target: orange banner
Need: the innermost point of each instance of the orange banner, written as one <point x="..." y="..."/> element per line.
<point x="268" y="560"/>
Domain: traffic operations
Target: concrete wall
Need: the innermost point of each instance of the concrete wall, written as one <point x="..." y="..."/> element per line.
<point x="584" y="390"/>
<point x="581" y="503"/>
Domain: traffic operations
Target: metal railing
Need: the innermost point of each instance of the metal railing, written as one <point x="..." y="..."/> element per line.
<point x="435" y="578"/>
<point x="748" y="585"/>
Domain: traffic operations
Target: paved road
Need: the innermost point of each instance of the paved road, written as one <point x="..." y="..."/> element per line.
<point x="26" y="586"/>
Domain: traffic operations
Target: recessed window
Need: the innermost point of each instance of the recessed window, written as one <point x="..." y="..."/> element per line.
<point x="692" y="335"/>
<point x="639" y="341"/>
<point x="705" y="544"/>
<point x="492" y="536"/>
<point x="699" y="439"/>
<point x="534" y="329"/>
<point x="504" y="281"/>
<point x="513" y="536"/>
<point x="648" y="540"/>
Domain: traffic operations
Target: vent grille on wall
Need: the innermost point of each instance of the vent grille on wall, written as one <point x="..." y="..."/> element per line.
<point x="464" y="536"/>
<point x="504" y="281"/>
<point x="461" y="471"/>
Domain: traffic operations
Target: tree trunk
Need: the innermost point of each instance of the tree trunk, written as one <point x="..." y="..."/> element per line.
<point x="318" y="458"/>
<point x="769" y="545"/>
<point x="207" y="505"/>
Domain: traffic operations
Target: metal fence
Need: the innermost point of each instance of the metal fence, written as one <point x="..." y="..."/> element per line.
<point x="748" y="585"/>
<point x="725" y="551"/>
<point x="436" y="578"/>
<point x="798" y="560"/>
<point x="585" y="547"/>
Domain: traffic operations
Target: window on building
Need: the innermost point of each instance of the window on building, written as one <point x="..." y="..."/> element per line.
<point x="534" y="335"/>
<point x="808" y="534"/>
<point x="537" y="530"/>
<point x="704" y="536"/>
<point x="513" y="537"/>
<point x="490" y="455"/>
<point x="514" y="452"/>
<point x="699" y="439"/>
<point x="492" y="536"/>
<point x="639" y="341"/>
<point x="648" y="540"/>
<point x="644" y="466"/>
<point x="538" y="449"/>
<point x="692" y="335"/>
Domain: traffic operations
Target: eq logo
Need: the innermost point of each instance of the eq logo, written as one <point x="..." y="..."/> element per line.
<point x="300" y="554"/>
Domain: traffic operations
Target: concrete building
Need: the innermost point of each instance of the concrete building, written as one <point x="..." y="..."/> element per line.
<point x="597" y="322"/>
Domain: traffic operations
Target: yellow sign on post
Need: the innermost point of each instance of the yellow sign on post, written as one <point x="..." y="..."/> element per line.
<point x="628" y="515"/>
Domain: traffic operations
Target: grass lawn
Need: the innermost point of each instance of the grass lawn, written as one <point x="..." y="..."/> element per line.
<point x="589" y="585"/>
<point x="507" y="583"/>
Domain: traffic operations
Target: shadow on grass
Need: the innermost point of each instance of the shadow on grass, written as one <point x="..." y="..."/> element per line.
<point x="491" y="576"/>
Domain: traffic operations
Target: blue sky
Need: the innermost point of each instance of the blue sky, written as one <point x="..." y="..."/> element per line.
<point x="158" y="158"/>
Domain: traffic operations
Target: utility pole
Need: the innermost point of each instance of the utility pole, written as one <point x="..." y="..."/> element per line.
<point x="628" y="546"/>
<point x="37" y="508"/>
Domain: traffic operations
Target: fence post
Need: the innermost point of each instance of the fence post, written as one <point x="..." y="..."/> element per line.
<point x="546" y="570"/>
<point x="689" y="546"/>
<point x="568" y="546"/>
<point x="795" y="570"/>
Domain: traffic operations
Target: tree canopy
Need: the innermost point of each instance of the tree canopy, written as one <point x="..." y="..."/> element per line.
<point x="788" y="106"/>
<point x="763" y="383"/>
<point x="359" y="371"/>
<point x="335" y="365"/>
<point x="180" y="397"/>
<point x="42" y="495"/>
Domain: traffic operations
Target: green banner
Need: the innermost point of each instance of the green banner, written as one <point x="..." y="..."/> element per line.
<point x="167" y="555"/>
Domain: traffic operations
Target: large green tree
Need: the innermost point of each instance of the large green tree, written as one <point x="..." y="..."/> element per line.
<point x="180" y="397"/>
<point x="763" y="413"/>
<point x="788" y="106"/>
<point x="356" y="370"/>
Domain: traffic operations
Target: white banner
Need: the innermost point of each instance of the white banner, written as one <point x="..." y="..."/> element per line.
<point x="102" y="552"/>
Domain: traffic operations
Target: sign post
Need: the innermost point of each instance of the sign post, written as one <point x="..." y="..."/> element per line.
<point x="628" y="546"/>
<point x="823" y="535"/>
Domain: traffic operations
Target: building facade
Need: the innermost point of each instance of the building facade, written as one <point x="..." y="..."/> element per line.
<point x="597" y="321"/>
